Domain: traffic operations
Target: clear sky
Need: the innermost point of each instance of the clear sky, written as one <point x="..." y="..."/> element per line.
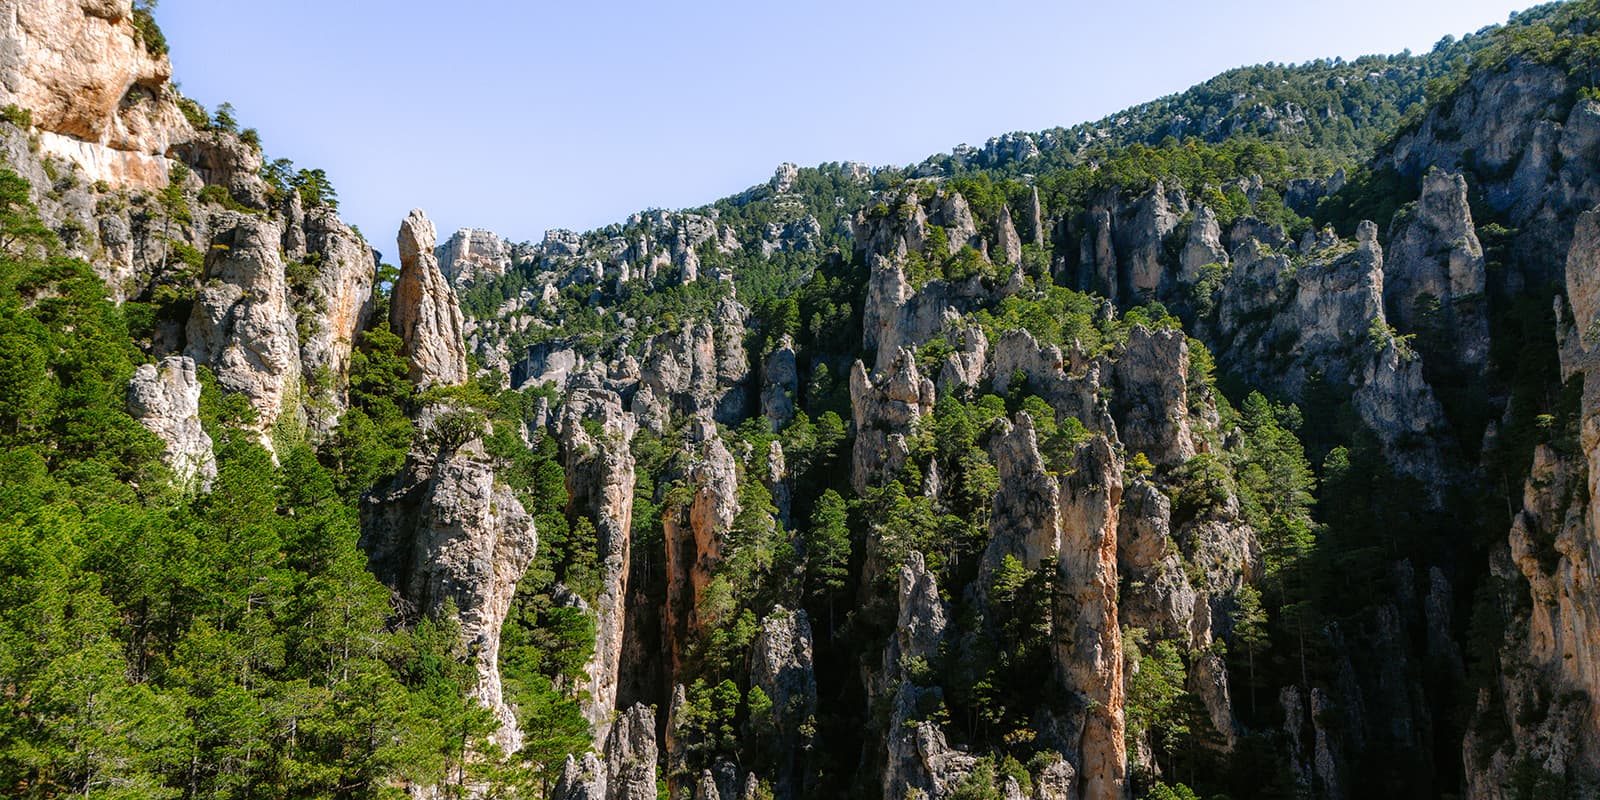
<point x="522" y="116"/>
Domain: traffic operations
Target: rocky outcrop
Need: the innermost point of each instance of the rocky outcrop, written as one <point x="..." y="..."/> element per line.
<point x="1088" y="650"/>
<point x="550" y="363"/>
<point x="243" y="323"/>
<point x="339" y="302"/>
<point x="99" y="94"/>
<point x="1008" y="245"/>
<point x="1141" y="243"/>
<point x="964" y="367"/>
<point x="697" y="535"/>
<point x="1312" y="747"/>
<point x="918" y="756"/>
<point x="956" y="217"/>
<point x="1202" y="248"/>
<point x="1152" y="396"/>
<point x="885" y="407"/>
<point x="1550" y="673"/>
<point x="1035" y="219"/>
<point x="221" y="158"/>
<point x="165" y="398"/>
<point x="1071" y="522"/>
<point x="600" y="483"/>
<point x="424" y="311"/>
<point x="1071" y="383"/>
<point x="780" y="385"/>
<point x="1434" y="273"/>
<point x="780" y="663"/>
<point x="472" y="255"/>
<point x="445" y="531"/>
<point x="629" y="769"/>
<point x="702" y="369"/>
<point x="1327" y="320"/>
<point x="897" y="316"/>
<point x="1025" y="523"/>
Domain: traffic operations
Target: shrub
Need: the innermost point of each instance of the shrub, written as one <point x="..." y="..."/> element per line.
<point x="155" y="42"/>
<point x="17" y="115"/>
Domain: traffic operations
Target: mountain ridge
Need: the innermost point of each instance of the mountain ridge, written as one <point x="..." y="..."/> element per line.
<point x="1258" y="465"/>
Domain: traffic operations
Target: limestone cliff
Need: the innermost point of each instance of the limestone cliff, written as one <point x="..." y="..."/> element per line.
<point x="243" y="323"/>
<point x="98" y="91"/>
<point x="165" y="398"/>
<point x="445" y="531"/>
<point x="424" y="311"/>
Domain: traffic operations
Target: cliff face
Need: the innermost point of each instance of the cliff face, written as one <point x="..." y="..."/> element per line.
<point x="425" y="313"/>
<point x="98" y="91"/>
<point x="243" y="324"/>
<point x="165" y="398"/>
<point x="445" y="531"/>
<point x="928" y="521"/>
<point x="1550" y="676"/>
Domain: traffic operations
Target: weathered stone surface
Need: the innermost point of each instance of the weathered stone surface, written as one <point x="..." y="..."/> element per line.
<point x="964" y="367"/>
<point x="919" y="758"/>
<point x="1035" y="219"/>
<point x="956" y="217"/>
<point x="1025" y="523"/>
<point x="98" y="96"/>
<point x="446" y="530"/>
<point x="340" y="301"/>
<point x="1152" y="396"/>
<point x="424" y="311"/>
<point x="697" y="537"/>
<point x="1089" y="645"/>
<point x="221" y="158"/>
<point x="1550" y="682"/>
<point x="550" y="363"/>
<point x="165" y="398"/>
<point x="1434" y="271"/>
<point x="781" y="385"/>
<point x="243" y="324"/>
<point x="884" y="408"/>
<point x="1203" y="246"/>
<point x="1007" y="246"/>
<point x="628" y="771"/>
<point x="600" y="483"/>
<point x="1141" y="242"/>
<point x="702" y="369"/>
<point x="781" y="664"/>
<point x="471" y="255"/>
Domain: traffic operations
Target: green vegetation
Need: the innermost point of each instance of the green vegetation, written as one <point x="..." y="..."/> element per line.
<point x="144" y="22"/>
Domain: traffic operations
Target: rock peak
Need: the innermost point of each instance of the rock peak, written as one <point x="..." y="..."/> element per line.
<point x="425" y="313"/>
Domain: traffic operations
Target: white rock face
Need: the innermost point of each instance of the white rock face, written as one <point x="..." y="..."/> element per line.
<point x="98" y="96"/>
<point x="424" y="311"/>
<point x="471" y="255"/>
<point x="1434" y="258"/>
<point x="243" y="324"/>
<point x="447" y="530"/>
<point x="341" y="293"/>
<point x="165" y="398"/>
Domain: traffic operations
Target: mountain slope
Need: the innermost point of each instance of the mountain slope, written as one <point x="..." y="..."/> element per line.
<point x="1240" y="439"/>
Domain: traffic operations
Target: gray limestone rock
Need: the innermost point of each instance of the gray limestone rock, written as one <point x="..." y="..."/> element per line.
<point x="446" y="531"/>
<point x="781" y="665"/>
<point x="424" y="311"/>
<point x="243" y="323"/>
<point x="165" y="398"/>
<point x="472" y="255"/>
<point x="1434" y="271"/>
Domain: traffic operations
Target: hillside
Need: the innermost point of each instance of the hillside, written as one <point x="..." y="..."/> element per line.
<point x="1238" y="445"/>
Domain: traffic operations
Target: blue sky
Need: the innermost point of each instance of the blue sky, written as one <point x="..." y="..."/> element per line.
<point x="522" y="116"/>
